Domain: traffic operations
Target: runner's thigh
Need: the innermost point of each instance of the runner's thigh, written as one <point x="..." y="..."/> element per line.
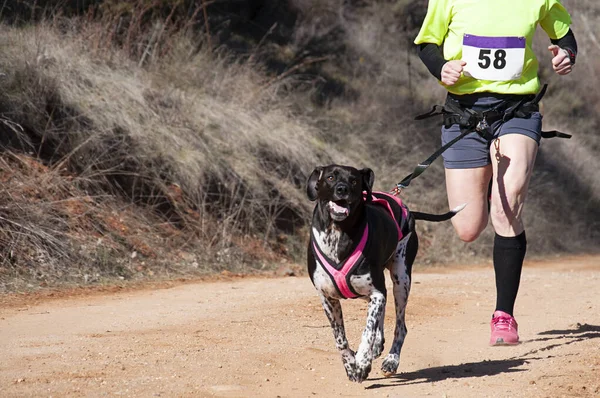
<point x="512" y="173"/>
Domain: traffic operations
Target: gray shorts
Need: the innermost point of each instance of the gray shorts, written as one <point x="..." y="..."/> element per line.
<point x="473" y="150"/>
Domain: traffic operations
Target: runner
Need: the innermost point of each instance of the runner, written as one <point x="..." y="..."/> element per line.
<point x="481" y="52"/>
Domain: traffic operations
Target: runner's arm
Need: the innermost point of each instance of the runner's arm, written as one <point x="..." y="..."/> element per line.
<point x="568" y="43"/>
<point x="431" y="55"/>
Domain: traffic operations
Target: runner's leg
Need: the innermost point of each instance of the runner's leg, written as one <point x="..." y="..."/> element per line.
<point x="513" y="157"/>
<point x="469" y="186"/>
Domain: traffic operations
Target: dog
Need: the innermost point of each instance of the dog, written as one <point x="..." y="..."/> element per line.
<point x="356" y="234"/>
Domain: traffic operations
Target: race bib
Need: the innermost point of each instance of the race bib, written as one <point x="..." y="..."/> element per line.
<point x="493" y="58"/>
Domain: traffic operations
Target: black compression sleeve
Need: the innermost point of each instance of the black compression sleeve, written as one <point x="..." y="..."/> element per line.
<point x="567" y="42"/>
<point x="508" y="255"/>
<point x="432" y="57"/>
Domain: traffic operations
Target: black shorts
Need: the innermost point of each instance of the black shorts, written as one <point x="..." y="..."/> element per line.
<point x="473" y="150"/>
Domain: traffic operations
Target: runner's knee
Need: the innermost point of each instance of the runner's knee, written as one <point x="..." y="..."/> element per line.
<point x="469" y="232"/>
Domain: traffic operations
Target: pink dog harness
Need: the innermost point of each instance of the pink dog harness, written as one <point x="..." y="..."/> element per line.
<point x="340" y="273"/>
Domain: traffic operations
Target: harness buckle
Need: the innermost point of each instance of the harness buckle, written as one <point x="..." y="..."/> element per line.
<point x="482" y="126"/>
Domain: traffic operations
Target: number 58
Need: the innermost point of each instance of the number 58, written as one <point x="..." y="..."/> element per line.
<point x="498" y="55"/>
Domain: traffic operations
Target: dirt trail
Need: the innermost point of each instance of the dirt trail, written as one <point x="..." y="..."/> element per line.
<point x="269" y="338"/>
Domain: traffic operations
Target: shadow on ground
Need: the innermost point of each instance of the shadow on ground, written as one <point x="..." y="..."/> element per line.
<point x="557" y="338"/>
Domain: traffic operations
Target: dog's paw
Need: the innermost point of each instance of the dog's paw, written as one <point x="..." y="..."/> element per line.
<point x="349" y="364"/>
<point x="363" y="368"/>
<point x="362" y="372"/>
<point x="389" y="367"/>
<point x="351" y="372"/>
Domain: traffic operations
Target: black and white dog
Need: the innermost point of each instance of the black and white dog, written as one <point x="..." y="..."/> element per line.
<point x="355" y="235"/>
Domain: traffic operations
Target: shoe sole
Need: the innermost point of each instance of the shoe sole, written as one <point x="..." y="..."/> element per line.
<point x="500" y="342"/>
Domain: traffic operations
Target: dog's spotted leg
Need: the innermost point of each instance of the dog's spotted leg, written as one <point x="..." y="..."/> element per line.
<point x="401" y="287"/>
<point x="379" y="338"/>
<point x="333" y="310"/>
<point x="364" y="354"/>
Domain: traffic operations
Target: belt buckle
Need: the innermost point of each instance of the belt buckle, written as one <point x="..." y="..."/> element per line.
<point x="482" y="126"/>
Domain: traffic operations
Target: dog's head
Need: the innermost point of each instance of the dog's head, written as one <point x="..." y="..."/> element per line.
<point x="339" y="189"/>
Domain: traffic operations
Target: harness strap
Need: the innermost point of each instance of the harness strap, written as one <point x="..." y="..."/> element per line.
<point x="341" y="277"/>
<point x="555" y="133"/>
<point x="523" y="109"/>
<point x="436" y="110"/>
<point x="383" y="202"/>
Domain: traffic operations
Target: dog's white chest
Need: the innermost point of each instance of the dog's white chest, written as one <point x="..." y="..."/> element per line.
<point x="327" y="241"/>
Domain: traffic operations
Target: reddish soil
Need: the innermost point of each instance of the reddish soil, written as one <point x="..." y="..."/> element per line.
<point x="249" y="337"/>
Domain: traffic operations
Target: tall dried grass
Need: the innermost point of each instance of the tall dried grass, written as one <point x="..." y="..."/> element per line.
<point x="204" y="142"/>
<point x="132" y="148"/>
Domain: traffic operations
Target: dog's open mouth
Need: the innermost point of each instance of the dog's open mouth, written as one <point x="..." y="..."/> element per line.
<point x="339" y="210"/>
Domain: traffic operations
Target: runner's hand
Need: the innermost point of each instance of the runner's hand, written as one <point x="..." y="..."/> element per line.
<point x="451" y="71"/>
<point x="561" y="62"/>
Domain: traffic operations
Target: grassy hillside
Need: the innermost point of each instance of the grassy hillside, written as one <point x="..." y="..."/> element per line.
<point x="140" y="140"/>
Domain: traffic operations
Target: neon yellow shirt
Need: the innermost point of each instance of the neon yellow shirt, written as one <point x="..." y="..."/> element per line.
<point x="447" y="21"/>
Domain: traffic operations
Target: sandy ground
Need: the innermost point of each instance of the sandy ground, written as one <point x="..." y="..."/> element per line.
<point x="269" y="338"/>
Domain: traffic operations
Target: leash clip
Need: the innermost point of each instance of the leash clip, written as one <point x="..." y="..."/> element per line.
<point x="398" y="190"/>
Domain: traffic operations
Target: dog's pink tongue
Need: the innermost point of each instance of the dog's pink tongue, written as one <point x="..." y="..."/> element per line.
<point x="338" y="209"/>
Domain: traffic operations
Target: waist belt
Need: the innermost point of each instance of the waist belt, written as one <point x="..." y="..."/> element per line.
<point x="470" y="121"/>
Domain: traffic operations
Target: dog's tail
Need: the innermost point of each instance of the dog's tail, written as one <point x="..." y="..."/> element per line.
<point x="437" y="217"/>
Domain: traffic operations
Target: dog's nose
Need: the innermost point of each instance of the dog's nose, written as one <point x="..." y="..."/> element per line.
<point x="341" y="189"/>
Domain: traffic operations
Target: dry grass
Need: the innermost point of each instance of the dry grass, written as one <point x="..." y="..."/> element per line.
<point x="204" y="144"/>
<point x="140" y="153"/>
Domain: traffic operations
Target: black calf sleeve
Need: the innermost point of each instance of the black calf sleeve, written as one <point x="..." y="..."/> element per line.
<point x="509" y="253"/>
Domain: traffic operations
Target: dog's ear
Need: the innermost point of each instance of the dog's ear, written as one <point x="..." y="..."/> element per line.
<point x="311" y="185"/>
<point x="368" y="178"/>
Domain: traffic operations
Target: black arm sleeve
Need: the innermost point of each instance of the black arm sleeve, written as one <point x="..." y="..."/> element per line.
<point x="432" y="57"/>
<point x="569" y="43"/>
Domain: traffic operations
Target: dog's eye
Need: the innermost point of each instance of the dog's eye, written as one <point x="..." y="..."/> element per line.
<point x="354" y="182"/>
<point x="330" y="178"/>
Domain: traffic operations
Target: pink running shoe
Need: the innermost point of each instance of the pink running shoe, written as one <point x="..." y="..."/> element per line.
<point x="504" y="329"/>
